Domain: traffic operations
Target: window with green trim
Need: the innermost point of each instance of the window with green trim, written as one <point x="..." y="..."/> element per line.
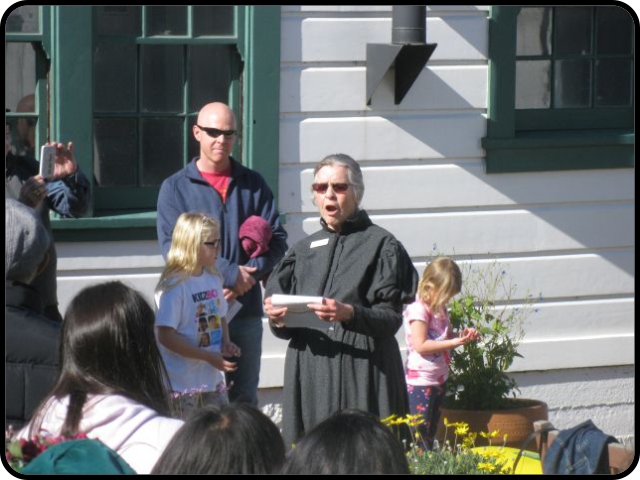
<point x="561" y="90"/>
<point x="154" y="67"/>
<point x="25" y="80"/>
<point x="125" y="84"/>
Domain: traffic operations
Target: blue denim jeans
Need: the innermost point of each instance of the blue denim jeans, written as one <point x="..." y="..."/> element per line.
<point x="246" y="333"/>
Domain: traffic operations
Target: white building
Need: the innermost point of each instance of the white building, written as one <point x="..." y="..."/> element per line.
<point x="512" y="142"/>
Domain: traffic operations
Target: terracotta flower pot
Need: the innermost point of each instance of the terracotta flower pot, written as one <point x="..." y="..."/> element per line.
<point x="517" y="422"/>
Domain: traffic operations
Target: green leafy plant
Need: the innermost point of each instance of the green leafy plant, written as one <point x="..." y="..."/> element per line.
<point x="477" y="375"/>
<point x="457" y="456"/>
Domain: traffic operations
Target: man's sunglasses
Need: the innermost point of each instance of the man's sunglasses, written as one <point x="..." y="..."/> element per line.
<point x="323" y="187"/>
<point x="215" y="133"/>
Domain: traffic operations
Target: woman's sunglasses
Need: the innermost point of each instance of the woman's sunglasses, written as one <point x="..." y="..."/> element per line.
<point x="337" y="187"/>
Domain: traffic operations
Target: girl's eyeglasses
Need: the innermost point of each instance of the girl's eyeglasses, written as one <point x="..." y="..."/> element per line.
<point x="213" y="244"/>
<point x="337" y="187"/>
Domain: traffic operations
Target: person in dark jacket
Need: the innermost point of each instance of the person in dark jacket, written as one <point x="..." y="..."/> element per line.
<point x="364" y="275"/>
<point x="216" y="184"/>
<point x="31" y="341"/>
<point x="67" y="194"/>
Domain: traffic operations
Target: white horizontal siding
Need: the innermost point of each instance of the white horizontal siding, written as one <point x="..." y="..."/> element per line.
<point x="462" y="184"/>
<point x="537" y="229"/>
<point x="431" y="9"/>
<point x="341" y="89"/>
<point x="579" y="352"/>
<point x="371" y="138"/>
<point x="315" y="39"/>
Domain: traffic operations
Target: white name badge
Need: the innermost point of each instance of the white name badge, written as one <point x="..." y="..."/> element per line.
<point x="319" y="243"/>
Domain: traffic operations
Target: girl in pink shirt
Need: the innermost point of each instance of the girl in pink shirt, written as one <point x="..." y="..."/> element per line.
<point x="429" y="339"/>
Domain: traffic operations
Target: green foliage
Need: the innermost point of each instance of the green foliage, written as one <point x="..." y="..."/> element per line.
<point x="460" y="459"/>
<point x="477" y="375"/>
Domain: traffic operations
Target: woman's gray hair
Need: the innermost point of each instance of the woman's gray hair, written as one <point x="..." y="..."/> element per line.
<point x="353" y="171"/>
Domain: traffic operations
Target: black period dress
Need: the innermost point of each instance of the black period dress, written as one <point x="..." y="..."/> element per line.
<point x="355" y="364"/>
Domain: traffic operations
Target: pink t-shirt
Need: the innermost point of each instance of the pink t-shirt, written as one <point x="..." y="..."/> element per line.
<point x="430" y="369"/>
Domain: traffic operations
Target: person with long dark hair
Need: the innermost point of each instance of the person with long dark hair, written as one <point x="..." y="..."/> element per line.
<point x="113" y="383"/>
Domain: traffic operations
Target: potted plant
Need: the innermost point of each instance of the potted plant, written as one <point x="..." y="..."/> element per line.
<point x="479" y="390"/>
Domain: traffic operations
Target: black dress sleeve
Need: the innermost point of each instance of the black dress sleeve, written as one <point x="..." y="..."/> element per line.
<point x="394" y="283"/>
<point x="282" y="280"/>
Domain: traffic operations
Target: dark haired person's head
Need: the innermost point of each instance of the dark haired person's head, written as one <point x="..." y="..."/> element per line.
<point x="348" y="442"/>
<point x="233" y="439"/>
<point x="108" y="347"/>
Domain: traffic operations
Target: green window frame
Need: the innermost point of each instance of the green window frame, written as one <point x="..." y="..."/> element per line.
<point x="255" y="98"/>
<point x="40" y="114"/>
<point x="530" y="140"/>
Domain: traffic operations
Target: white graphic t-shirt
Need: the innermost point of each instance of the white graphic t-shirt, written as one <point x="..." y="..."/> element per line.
<point x="195" y="310"/>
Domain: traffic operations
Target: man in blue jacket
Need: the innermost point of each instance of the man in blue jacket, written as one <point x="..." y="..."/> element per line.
<point x="216" y="184"/>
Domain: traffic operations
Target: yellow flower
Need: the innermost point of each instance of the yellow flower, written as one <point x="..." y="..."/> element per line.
<point x="387" y="421"/>
<point x="485" y="466"/>
<point x="462" y="429"/>
<point x="493" y="434"/>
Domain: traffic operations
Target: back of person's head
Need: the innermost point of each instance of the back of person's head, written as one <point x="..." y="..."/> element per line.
<point x="441" y="280"/>
<point x="26" y="242"/>
<point x="190" y="231"/>
<point x="108" y="347"/>
<point x="348" y="442"/>
<point x="233" y="439"/>
<point x="353" y="171"/>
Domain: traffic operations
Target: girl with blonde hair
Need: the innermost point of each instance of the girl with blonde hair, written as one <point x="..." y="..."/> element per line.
<point x="190" y="298"/>
<point x="429" y="339"/>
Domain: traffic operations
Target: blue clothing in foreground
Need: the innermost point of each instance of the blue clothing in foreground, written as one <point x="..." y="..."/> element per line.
<point x="580" y="450"/>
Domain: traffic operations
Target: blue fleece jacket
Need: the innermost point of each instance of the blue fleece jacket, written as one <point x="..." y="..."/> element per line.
<point x="248" y="194"/>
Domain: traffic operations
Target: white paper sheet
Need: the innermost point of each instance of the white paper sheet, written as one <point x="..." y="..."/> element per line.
<point x="298" y="315"/>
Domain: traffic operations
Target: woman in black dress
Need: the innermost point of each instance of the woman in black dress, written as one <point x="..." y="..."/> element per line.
<point x="365" y="276"/>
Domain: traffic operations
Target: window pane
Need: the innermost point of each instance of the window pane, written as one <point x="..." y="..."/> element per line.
<point x="20" y="86"/>
<point x="116" y="152"/>
<point x="193" y="146"/>
<point x="534" y="31"/>
<point x="20" y="79"/>
<point x="162" y="84"/>
<point x="573" y="31"/>
<point x="114" y="69"/>
<point x="24" y="20"/>
<point x="613" y="87"/>
<point x="209" y="75"/>
<point x="161" y="149"/>
<point x="532" y="84"/>
<point x="572" y="83"/>
<point x="23" y="135"/>
<point x="166" y="20"/>
<point x="118" y="20"/>
<point x="615" y="34"/>
<point x="213" y="20"/>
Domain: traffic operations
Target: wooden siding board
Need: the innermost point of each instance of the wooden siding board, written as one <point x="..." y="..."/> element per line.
<point x="341" y="89"/>
<point x="395" y="136"/>
<point x="462" y="185"/>
<point x="460" y="37"/>
<point x="537" y="229"/>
